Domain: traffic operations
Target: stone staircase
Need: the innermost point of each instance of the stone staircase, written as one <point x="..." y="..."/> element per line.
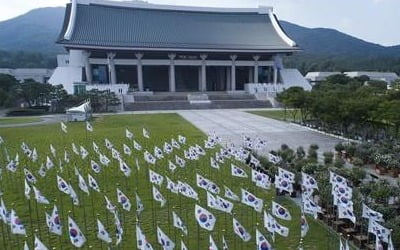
<point x="187" y="101"/>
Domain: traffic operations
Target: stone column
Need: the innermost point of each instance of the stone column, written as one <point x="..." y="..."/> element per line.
<point x="88" y="67"/>
<point x="111" y="68"/>
<point x="233" y="72"/>
<point x="203" y="73"/>
<point x="275" y="76"/>
<point x="172" y="72"/>
<point x="255" y="78"/>
<point x="228" y="78"/>
<point x="139" y="57"/>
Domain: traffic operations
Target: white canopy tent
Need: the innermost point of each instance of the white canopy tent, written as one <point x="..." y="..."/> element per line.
<point x="82" y="112"/>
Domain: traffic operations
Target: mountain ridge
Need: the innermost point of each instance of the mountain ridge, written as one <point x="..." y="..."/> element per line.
<point x="38" y="30"/>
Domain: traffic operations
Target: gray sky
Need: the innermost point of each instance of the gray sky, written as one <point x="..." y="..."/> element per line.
<point x="371" y="20"/>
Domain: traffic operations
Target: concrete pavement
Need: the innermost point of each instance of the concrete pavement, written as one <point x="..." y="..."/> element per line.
<point x="231" y="125"/>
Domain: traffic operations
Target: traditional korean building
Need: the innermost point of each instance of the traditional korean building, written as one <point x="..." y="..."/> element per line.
<point x="141" y="47"/>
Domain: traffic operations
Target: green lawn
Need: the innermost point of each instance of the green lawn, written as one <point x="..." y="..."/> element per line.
<point x="18" y="120"/>
<point x="276" y="114"/>
<point x="162" y="127"/>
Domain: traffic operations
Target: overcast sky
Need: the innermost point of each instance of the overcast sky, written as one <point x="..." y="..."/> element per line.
<point x="375" y="21"/>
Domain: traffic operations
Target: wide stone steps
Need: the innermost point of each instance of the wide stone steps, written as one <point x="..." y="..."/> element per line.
<point x="186" y="105"/>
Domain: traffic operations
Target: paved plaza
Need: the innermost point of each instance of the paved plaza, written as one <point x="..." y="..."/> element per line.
<point x="231" y="125"/>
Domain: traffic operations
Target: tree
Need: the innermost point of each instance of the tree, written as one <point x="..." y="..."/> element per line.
<point x="297" y="99"/>
<point x="102" y="100"/>
<point x="35" y="93"/>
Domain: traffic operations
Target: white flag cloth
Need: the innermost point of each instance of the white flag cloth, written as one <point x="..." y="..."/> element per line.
<point x="214" y="163"/>
<point x="64" y="127"/>
<point x="346" y="213"/>
<point x="155" y="178"/>
<point x="168" y="148"/>
<point x="93" y="183"/>
<point x="108" y="144"/>
<point x="274" y="227"/>
<point x="186" y="190"/>
<point x="16" y="224"/>
<point x="89" y="127"/>
<point x="230" y="194"/>
<point x="206" y="184"/>
<point x="39" y="245"/>
<point x="240" y="231"/>
<point x="146" y="133"/>
<point x="149" y="158"/>
<point x="171" y="166"/>
<point x="371" y="214"/>
<point x="124" y="168"/>
<point x="5" y="216"/>
<point x="139" y="204"/>
<point x="336" y="179"/>
<point x="110" y="207"/>
<point x="123" y="200"/>
<point x="119" y="231"/>
<point x="75" y="235"/>
<point x="175" y="144"/>
<point x="82" y="184"/>
<point x="181" y="139"/>
<point x="172" y="186"/>
<point x="212" y="245"/>
<point x="310" y="207"/>
<point x="137" y="146"/>
<point x="304" y="225"/>
<point x="115" y="154"/>
<point x="39" y="197"/>
<point x="179" y="161"/>
<point x="29" y="176"/>
<point x="42" y="171"/>
<point x="63" y="185"/>
<point x="102" y="234"/>
<point x="26" y="247"/>
<point x="75" y="149"/>
<point x="49" y="163"/>
<point x="280" y="212"/>
<point x="262" y="242"/>
<point x="380" y="231"/>
<point x="260" y="179"/>
<point x="341" y="190"/>
<point x="183" y="246"/>
<point x="224" y="244"/>
<point x="95" y="147"/>
<point x="95" y="167"/>
<point x="158" y="152"/>
<point x="238" y="172"/>
<point x="128" y="134"/>
<point x="104" y="159"/>
<point x="84" y="152"/>
<point x="27" y="190"/>
<point x="178" y="223"/>
<point x="205" y="219"/>
<point x="158" y="196"/>
<point x="308" y="181"/>
<point x="141" y="241"/>
<point x="219" y="203"/>
<point x="289" y="176"/>
<point x="55" y="222"/>
<point x="378" y="244"/>
<point x="251" y="200"/>
<point x="390" y="244"/>
<point x="127" y="149"/>
<point x="164" y="240"/>
<point x="283" y="184"/>
<point x="274" y="158"/>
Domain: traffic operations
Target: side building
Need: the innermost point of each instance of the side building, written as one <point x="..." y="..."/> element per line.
<point x="143" y="48"/>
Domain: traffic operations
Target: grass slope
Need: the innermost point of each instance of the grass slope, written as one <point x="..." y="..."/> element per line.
<point x="162" y="128"/>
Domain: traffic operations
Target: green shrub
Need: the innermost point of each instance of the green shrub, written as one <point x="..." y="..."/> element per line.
<point x="328" y="157"/>
<point x="25" y="112"/>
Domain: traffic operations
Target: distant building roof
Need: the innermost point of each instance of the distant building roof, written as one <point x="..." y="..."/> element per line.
<point x="38" y="74"/>
<point x="142" y="26"/>
<point x="319" y="76"/>
<point x="374" y="75"/>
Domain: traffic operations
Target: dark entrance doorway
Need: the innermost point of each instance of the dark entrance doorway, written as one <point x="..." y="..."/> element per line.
<point x="187" y="78"/>
<point x="156" y="78"/>
<point x="216" y="78"/>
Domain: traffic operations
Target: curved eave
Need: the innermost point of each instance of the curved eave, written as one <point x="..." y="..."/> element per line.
<point x="177" y="49"/>
<point x="279" y="30"/>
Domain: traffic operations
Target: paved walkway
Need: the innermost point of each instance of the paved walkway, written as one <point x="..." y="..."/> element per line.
<point x="231" y="125"/>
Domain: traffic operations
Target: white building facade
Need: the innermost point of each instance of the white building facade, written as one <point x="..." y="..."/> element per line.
<point x="144" y="48"/>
